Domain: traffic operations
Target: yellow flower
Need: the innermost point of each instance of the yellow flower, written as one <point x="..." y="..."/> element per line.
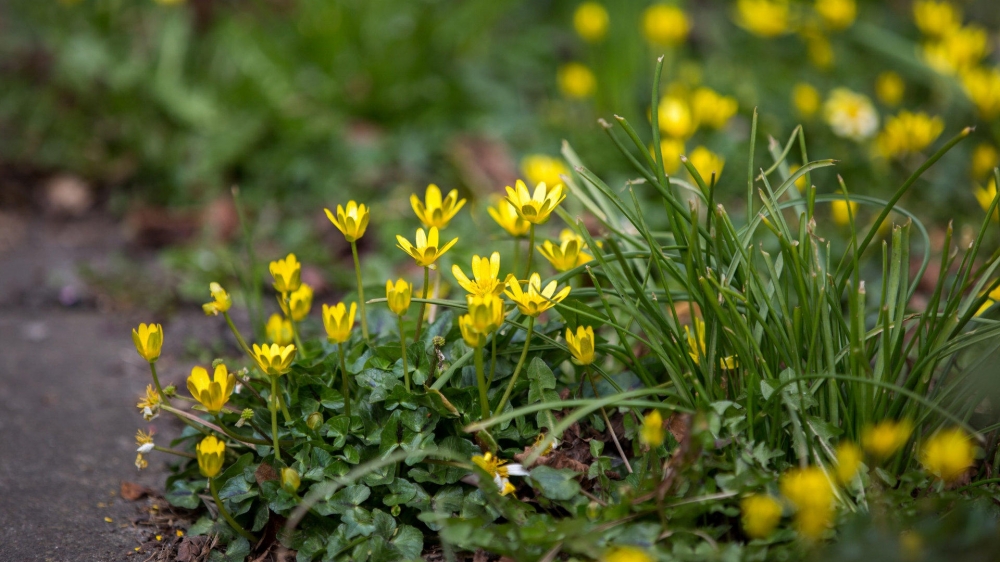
<point x="436" y="212"/>
<point x="287" y="274"/>
<point x="841" y="211"/>
<point x="848" y="461"/>
<point x="149" y="405"/>
<point x="764" y="18"/>
<point x="837" y="14"/>
<point x="696" y="345"/>
<point x="221" y="301"/>
<point x="290" y="480"/>
<point x="806" y="99"/>
<point x="985" y="306"/>
<point x="820" y="50"/>
<point x="351" y="222"/>
<point x="211" y="455"/>
<point x="907" y="132"/>
<point x="274" y="360"/>
<point x="486" y="273"/>
<point x="535" y="300"/>
<point x="948" y="454"/>
<point x="398" y="296"/>
<point x="810" y="492"/>
<point x="712" y="109"/>
<point x="567" y="255"/>
<point x="885" y="438"/>
<point x="541" y="168"/>
<point x="299" y="301"/>
<point x="850" y="114"/>
<point x="706" y="162"/>
<point x="590" y="20"/>
<point x="141" y="464"/>
<point x="575" y="80"/>
<point x="338" y="321"/>
<point x="538" y="206"/>
<point x="211" y="393"/>
<point x="499" y="470"/>
<point x="426" y="250"/>
<point x="984" y="159"/>
<point x="671" y="149"/>
<point x="936" y="18"/>
<point x="626" y="554"/>
<point x="581" y="344"/>
<point x="665" y="24"/>
<point x="957" y="51"/>
<point x="170" y="2"/>
<point x="674" y="117"/>
<point x="148" y="340"/>
<point x="506" y="216"/>
<point x="144" y="441"/>
<point x="889" y="88"/>
<point x="761" y="514"/>
<point x="279" y="330"/>
<point x="985" y="196"/>
<point x="982" y="85"/>
<point x="486" y="313"/>
<point x="651" y="433"/>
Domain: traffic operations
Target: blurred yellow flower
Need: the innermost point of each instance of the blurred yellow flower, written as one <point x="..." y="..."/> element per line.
<point x="486" y="272"/>
<point x="810" y="492"/>
<point x="908" y="132"/>
<point x="935" y="18"/>
<point x="436" y="212"/>
<point x="671" y="149"/>
<point x="765" y="18"/>
<point x="299" y="303"/>
<point x="140" y="463"/>
<point x="211" y="393"/>
<point x="338" y="321"/>
<point x="351" y="222"/>
<point x="982" y="85"/>
<point x="576" y="81"/>
<point x="706" y="162"/>
<point x="279" y="330"/>
<point x="170" y="2"/>
<point x="426" y="250"/>
<point x="148" y="340"/>
<point x="889" y="88"/>
<point x="287" y="274"/>
<point x="398" y="296"/>
<point x="674" y="117"/>
<point x="535" y="300"/>
<point x="274" y="359"/>
<point x="948" y="454"/>
<point x="837" y="14"/>
<point x="590" y="20"/>
<point x="221" y="301"/>
<point x="581" y="344"/>
<point x="712" y="109"/>
<point x="984" y="158"/>
<point x="806" y="99"/>
<point x="149" y="404"/>
<point x="542" y="168"/>
<point x="985" y="196"/>
<point x="538" y="206"/>
<point x="885" y="438"/>
<point x="848" y="461"/>
<point x="211" y="455"/>
<point x="957" y="51"/>
<point x="850" y="114"/>
<point x="626" y="554"/>
<point x="665" y="24"/>
<point x="651" y="433"/>
<point x="567" y="255"/>
<point x="696" y="345"/>
<point x="761" y="514"/>
<point x="819" y="50"/>
<point x="842" y="211"/>
<point x="506" y="216"/>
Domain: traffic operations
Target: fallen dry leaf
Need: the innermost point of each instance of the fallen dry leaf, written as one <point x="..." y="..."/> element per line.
<point x="130" y="491"/>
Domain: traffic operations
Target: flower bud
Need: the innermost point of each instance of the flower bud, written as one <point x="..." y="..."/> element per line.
<point x="314" y="420"/>
<point x="290" y="480"/>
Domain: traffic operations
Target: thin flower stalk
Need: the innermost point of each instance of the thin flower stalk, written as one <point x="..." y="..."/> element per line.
<point x="423" y="305"/>
<point x="184" y="454"/>
<point x="274" y="417"/>
<point x="402" y="344"/>
<point x="345" y="386"/>
<point x="484" y="402"/>
<point x="517" y="369"/>
<point x="607" y="421"/>
<point x="361" y="290"/>
<point x="214" y="487"/>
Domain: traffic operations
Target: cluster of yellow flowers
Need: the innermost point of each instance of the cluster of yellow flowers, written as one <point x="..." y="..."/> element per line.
<point x="681" y="113"/>
<point x="809" y="492"/>
<point x="774" y="18"/>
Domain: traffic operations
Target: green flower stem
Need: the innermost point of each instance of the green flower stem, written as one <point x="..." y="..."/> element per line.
<point x="361" y="290"/>
<point x="274" y="418"/>
<point x="607" y="421"/>
<point x="423" y="304"/>
<point x="484" y="402"/>
<point x="233" y="435"/>
<point x="191" y="419"/>
<point x="226" y="515"/>
<point x="402" y="343"/>
<point x="517" y="254"/>
<point x="174" y="452"/>
<point x="493" y="360"/>
<point x="346" y="388"/>
<point x="283" y="407"/>
<point x="239" y="337"/>
<point x="531" y="250"/>
<point x="156" y="382"/>
<point x="287" y="299"/>
<point x="520" y="362"/>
